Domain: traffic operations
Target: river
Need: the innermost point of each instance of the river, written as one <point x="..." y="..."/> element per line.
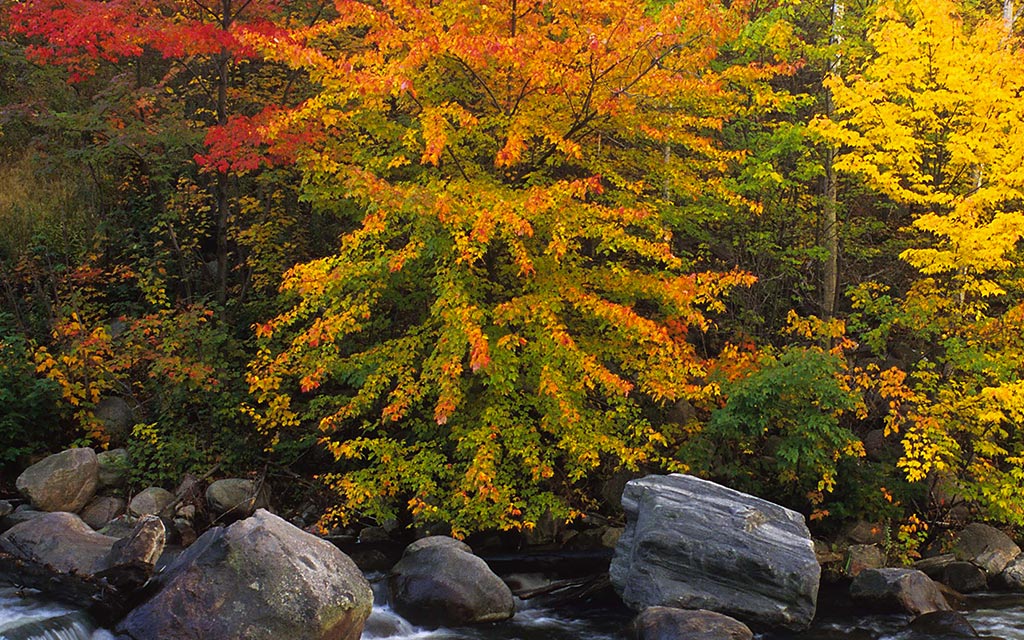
<point x="994" y="615"/>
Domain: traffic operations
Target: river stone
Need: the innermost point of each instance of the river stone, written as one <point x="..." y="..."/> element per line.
<point x="863" y="556"/>
<point x="694" y="544"/>
<point x="5" y="508"/>
<point x="436" y="541"/>
<point x="101" y="510"/>
<point x="142" y="547"/>
<point x="60" y="540"/>
<point x="907" y="590"/>
<point x="65" y="481"/>
<point x="934" y="566"/>
<point x="987" y="547"/>
<point x="151" y="501"/>
<point x="942" y="624"/>
<point x="1012" y="576"/>
<point x="964" y="577"/>
<point x="669" y="623"/>
<point x="440" y="583"/>
<point x="235" y="497"/>
<point x="113" y="473"/>
<point x="260" y="579"/>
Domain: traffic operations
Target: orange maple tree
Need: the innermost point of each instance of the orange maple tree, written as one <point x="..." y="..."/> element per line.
<point x="509" y="300"/>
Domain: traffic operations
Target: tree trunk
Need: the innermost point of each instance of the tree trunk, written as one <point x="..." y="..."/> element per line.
<point x="829" y="224"/>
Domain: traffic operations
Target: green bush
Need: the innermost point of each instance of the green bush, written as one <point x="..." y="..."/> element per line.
<point x="28" y="403"/>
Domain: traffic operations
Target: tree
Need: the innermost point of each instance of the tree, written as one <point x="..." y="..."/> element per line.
<point x="933" y="122"/>
<point x="506" y="307"/>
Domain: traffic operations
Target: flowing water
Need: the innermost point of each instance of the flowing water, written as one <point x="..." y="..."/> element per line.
<point x="993" y="615"/>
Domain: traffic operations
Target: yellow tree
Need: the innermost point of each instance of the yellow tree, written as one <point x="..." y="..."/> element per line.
<point x="935" y="122"/>
<point x="508" y="301"/>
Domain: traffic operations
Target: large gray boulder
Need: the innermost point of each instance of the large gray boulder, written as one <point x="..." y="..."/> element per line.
<point x="694" y="544"/>
<point x="987" y="547"/>
<point x="65" y="481"/>
<point x="61" y="540"/>
<point x="101" y="510"/>
<point x="150" y="502"/>
<point x="260" y="579"/>
<point x="898" y="590"/>
<point x="439" y="581"/>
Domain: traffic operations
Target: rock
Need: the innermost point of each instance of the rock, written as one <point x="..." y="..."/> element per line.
<point x="16" y="518"/>
<point x="385" y="624"/>
<point x="863" y="556"/>
<point x="934" y="566"/>
<point x="117" y="418"/>
<point x="942" y="624"/>
<point x="987" y="547"/>
<point x="5" y="508"/>
<point x="60" y="540"/>
<point x="548" y="530"/>
<point x="142" y="547"/>
<point x="442" y="583"/>
<point x="373" y="535"/>
<point x="436" y="541"/>
<point x="610" y="537"/>
<point x="151" y="501"/>
<point x="101" y="510"/>
<point x="669" y="623"/>
<point x="863" y="532"/>
<point x="113" y="472"/>
<point x="876" y="446"/>
<point x="120" y="527"/>
<point x="964" y="577"/>
<point x="1012" y="576"/>
<point x="695" y="544"/>
<point x="65" y="481"/>
<point x="260" y="579"/>
<point x="898" y="590"/>
<point x="236" y="498"/>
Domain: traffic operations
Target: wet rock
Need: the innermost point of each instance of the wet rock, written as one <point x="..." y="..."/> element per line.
<point x="942" y="624"/>
<point x="5" y="508"/>
<point x="260" y="579"/>
<point x="101" y="510"/>
<point x="898" y="590"/>
<point x="669" y="623"/>
<point x="1012" y="576"/>
<point x="934" y="566"/>
<point x="151" y="501"/>
<point x="964" y="577"/>
<point x="113" y="471"/>
<point x="119" y="527"/>
<point x="233" y="498"/>
<point x="987" y="547"/>
<point x="61" y="540"/>
<point x="142" y="547"/>
<point x="442" y="583"/>
<point x="65" y="481"/>
<point x="696" y="544"/>
<point x="863" y="556"/>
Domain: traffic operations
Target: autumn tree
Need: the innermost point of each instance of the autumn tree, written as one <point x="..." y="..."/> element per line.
<point x="506" y="307"/>
<point x="933" y="122"/>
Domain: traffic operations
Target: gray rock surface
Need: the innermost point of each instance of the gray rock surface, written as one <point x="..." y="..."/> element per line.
<point x="101" y="510"/>
<point x="934" y="566"/>
<point x="987" y="547"/>
<point x="1012" y="576"/>
<point x="441" y="583"/>
<point x="142" y="547"/>
<point x="436" y="541"/>
<point x="898" y="590"/>
<point x="151" y="501"/>
<point x="236" y="497"/>
<point x="117" y="418"/>
<point x="694" y="544"/>
<point x="60" y="540"/>
<point x="964" y="577"/>
<point x="259" y="579"/>
<point x="65" y="481"/>
<point x="942" y="624"/>
<point x="863" y="556"/>
<point x="668" y="623"/>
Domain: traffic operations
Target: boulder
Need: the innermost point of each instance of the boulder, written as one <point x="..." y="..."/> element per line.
<point x="117" y="418"/>
<point x="934" y="566"/>
<point x="942" y="624"/>
<point x="443" y="583"/>
<point x="65" y="481"/>
<point x="863" y="556"/>
<point x="694" y="544"/>
<point x="669" y="623"/>
<point x="19" y="516"/>
<point x="964" y="577"/>
<point x="898" y="590"/>
<point x="142" y="547"/>
<point x="1012" y="576"/>
<point x="234" y="498"/>
<point x="5" y="508"/>
<point x="260" y="578"/>
<point x="113" y="472"/>
<point x="60" y="540"/>
<point x="151" y="501"/>
<point x="101" y="510"/>
<point x="862" y="532"/>
<point x="987" y="547"/>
